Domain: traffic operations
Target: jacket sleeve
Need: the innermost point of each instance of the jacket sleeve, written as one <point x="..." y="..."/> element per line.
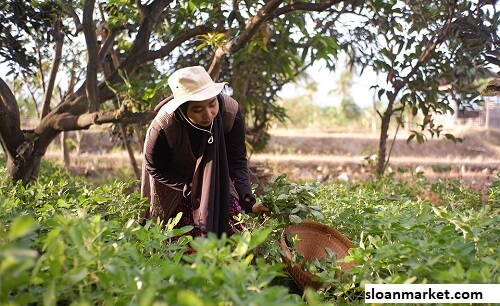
<point x="238" y="163"/>
<point x="157" y="157"/>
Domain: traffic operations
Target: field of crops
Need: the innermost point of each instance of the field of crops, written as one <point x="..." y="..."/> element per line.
<point x="66" y="241"/>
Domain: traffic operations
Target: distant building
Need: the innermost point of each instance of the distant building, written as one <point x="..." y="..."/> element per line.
<point x="486" y="115"/>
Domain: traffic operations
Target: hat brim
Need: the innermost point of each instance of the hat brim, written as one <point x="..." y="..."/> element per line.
<point x="201" y="95"/>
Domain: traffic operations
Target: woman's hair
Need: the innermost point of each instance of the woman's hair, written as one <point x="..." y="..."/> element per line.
<point x="184" y="107"/>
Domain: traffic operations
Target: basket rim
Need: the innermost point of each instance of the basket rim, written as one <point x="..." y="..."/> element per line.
<point x="315" y="225"/>
<point x="293" y="269"/>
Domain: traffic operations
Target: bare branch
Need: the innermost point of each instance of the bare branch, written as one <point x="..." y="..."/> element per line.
<point x="398" y="109"/>
<point x="108" y="44"/>
<point x="108" y="36"/>
<point x="59" y="40"/>
<point x="72" y="13"/>
<point x="305" y="6"/>
<point x="73" y="123"/>
<point x="237" y="15"/>
<point x="40" y="65"/>
<point x="176" y="42"/>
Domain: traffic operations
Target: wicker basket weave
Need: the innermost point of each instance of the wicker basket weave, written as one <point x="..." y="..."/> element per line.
<point x="314" y="237"/>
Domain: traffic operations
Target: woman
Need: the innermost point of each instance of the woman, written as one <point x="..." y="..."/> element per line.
<point x="195" y="157"/>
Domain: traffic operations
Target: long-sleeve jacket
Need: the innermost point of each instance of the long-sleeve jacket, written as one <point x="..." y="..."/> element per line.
<point x="170" y="153"/>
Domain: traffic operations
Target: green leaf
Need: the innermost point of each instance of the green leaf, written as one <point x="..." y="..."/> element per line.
<point x="76" y="235"/>
<point x="62" y="203"/>
<point x="49" y="297"/>
<point x="77" y="274"/>
<point x="317" y="214"/>
<point x="410" y="280"/>
<point x="259" y="236"/>
<point x="295" y="219"/>
<point x="420" y="138"/>
<point x="450" y="137"/>
<point x="189" y="298"/>
<point x="21" y="226"/>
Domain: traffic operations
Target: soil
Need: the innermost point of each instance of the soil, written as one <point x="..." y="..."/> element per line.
<point x="307" y="155"/>
<point x="329" y="155"/>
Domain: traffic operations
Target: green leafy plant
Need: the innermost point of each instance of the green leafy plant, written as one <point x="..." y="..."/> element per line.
<point x="289" y="202"/>
<point x="65" y="242"/>
<point x="404" y="239"/>
<point x="62" y="242"/>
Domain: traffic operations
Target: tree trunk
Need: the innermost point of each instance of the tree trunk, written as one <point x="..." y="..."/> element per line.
<point x="65" y="149"/>
<point x="374" y="115"/>
<point x="26" y="166"/>
<point x="487" y="115"/>
<point x="130" y="151"/>
<point x="140" y="136"/>
<point x="384" y="134"/>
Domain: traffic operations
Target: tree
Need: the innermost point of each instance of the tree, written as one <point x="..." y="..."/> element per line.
<point x="348" y="107"/>
<point x="116" y="55"/>
<point x="420" y="45"/>
<point x="126" y="45"/>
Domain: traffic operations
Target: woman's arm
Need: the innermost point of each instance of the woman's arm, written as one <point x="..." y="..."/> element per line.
<point x="238" y="163"/>
<point x="157" y="159"/>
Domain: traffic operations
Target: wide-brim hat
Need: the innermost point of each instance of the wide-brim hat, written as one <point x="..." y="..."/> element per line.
<point x="191" y="84"/>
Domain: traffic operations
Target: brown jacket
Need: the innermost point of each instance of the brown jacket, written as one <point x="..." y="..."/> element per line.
<point x="162" y="199"/>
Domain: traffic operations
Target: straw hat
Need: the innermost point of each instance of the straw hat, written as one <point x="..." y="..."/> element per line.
<point x="191" y="84"/>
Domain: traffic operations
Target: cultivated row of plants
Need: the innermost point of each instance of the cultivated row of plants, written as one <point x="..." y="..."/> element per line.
<point x="66" y="242"/>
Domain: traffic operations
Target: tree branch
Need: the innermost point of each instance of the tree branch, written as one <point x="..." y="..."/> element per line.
<point x="59" y="41"/>
<point x="245" y="36"/>
<point x="108" y="44"/>
<point x="92" y="64"/>
<point x="11" y="135"/>
<point x="139" y="50"/>
<point x="438" y="39"/>
<point x="305" y="6"/>
<point x="71" y="11"/>
<point x="176" y="42"/>
<point x="264" y="14"/>
<point x="237" y="15"/>
<point x="122" y="115"/>
<point x="269" y="11"/>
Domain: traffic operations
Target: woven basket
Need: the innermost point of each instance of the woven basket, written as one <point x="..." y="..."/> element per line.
<point x="314" y="238"/>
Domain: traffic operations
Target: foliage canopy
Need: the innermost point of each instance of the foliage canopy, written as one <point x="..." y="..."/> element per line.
<point x="114" y="56"/>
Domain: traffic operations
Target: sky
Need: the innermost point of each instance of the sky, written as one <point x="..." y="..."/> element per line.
<point x="327" y="84"/>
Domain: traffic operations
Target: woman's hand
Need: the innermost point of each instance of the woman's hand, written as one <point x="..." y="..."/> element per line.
<point x="257" y="208"/>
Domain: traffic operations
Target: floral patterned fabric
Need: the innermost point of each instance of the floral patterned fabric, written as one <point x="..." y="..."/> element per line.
<point x="187" y="219"/>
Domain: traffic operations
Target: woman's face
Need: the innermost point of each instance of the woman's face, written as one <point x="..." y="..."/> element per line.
<point x="203" y="112"/>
